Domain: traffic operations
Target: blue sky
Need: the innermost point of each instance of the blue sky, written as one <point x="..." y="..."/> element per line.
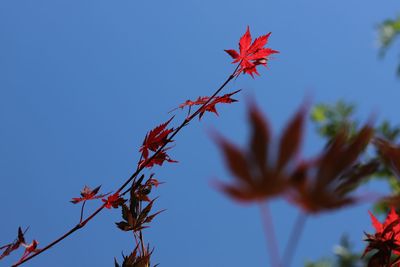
<point x="82" y="82"/>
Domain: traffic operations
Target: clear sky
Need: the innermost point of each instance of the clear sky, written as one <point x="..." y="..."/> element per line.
<point x="81" y="82"/>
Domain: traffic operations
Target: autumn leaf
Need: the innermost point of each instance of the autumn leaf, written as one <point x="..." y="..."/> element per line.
<point x="390" y="154"/>
<point x="142" y="191"/>
<point x="88" y="194"/>
<point x="325" y="183"/>
<point x="113" y="201"/>
<point x="134" y="220"/>
<point x="158" y="159"/>
<point x="385" y="240"/>
<point x="210" y="107"/>
<point x="251" y="55"/>
<point x="155" y="139"/>
<point x="315" y="185"/>
<point x="30" y="248"/>
<point x="8" y="248"/>
<point x="136" y="259"/>
<point x="256" y="176"/>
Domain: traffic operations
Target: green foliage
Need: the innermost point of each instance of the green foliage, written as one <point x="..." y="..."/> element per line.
<point x="389" y="30"/>
<point x="330" y="119"/>
<point x="344" y="257"/>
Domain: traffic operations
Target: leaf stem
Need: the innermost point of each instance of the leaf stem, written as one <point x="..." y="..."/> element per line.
<point x="83" y="207"/>
<point x="294" y="238"/>
<point x="132" y="177"/>
<point x="269" y="234"/>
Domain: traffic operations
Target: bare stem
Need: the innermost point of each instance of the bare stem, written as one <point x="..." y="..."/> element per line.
<point x="83" y="207"/>
<point x="71" y="231"/>
<point x="269" y="234"/>
<point x="132" y="177"/>
<point x="294" y="238"/>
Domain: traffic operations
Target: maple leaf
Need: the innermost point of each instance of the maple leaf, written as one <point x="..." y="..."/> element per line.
<point x="257" y="177"/>
<point x="14" y="245"/>
<point x="142" y="191"/>
<point x="136" y="259"/>
<point x="158" y="159"/>
<point x="315" y="185"/>
<point x="326" y="182"/>
<point x="155" y="139"/>
<point x="135" y="220"/>
<point x="386" y="240"/>
<point x="113" y="201"/>
<point x="210" y="107"/>
<point x="250" y="54"/>
<point x="88" y="194"/>
<point x="29" y="248"/>
<point x="390" y="154"/>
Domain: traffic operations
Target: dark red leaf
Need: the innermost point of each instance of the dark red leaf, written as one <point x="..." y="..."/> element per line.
<point x="290" y="142"/>
<point x="113" y="201"/>
<point x="88" y="194"/>
<point x="156" y="138"/>
<point x="260" y="136"/>
<point x="159" y="159"/>
<point x="210" y="107"/>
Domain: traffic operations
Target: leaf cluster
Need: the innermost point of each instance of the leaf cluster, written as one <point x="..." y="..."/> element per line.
<point x="322" y="183"/>
<point x="134" y="216"/>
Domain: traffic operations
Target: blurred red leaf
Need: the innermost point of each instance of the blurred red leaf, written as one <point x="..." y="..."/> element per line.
<point x="315" y="185"/>
<point x="258" y="178"/>
<point x="325" y="183"/>
<point x="390" y="153"/>
<point x="290" y="142"/>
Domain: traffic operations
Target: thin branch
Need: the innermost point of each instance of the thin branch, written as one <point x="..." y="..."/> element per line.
<point x="134" y="175"/>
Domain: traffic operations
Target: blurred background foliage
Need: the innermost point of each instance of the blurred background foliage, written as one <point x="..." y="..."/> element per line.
<point x="329" y="120"/>
<point x="344" y="257"/>
<point x="389" y="31"/>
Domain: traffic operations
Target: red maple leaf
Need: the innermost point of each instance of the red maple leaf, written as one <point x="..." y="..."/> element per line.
<point x="210" y="107"/>
<point x="386" y="240"/>
<point x="88" y="194"/>
<point x="251" y="54"/>
<point x="155" y="139"/>
<point x="14" y="245"/>
<point x="113" y="201"/>
<point x="257" y="177"/>
<point x="29" y="248"/>
<point x="157" y="159"/>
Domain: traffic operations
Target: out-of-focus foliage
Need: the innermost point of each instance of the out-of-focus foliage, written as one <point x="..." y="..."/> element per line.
<point x="389" y="30"/>
<point x="344" y="257"/>
<point x="331" y="119"/>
